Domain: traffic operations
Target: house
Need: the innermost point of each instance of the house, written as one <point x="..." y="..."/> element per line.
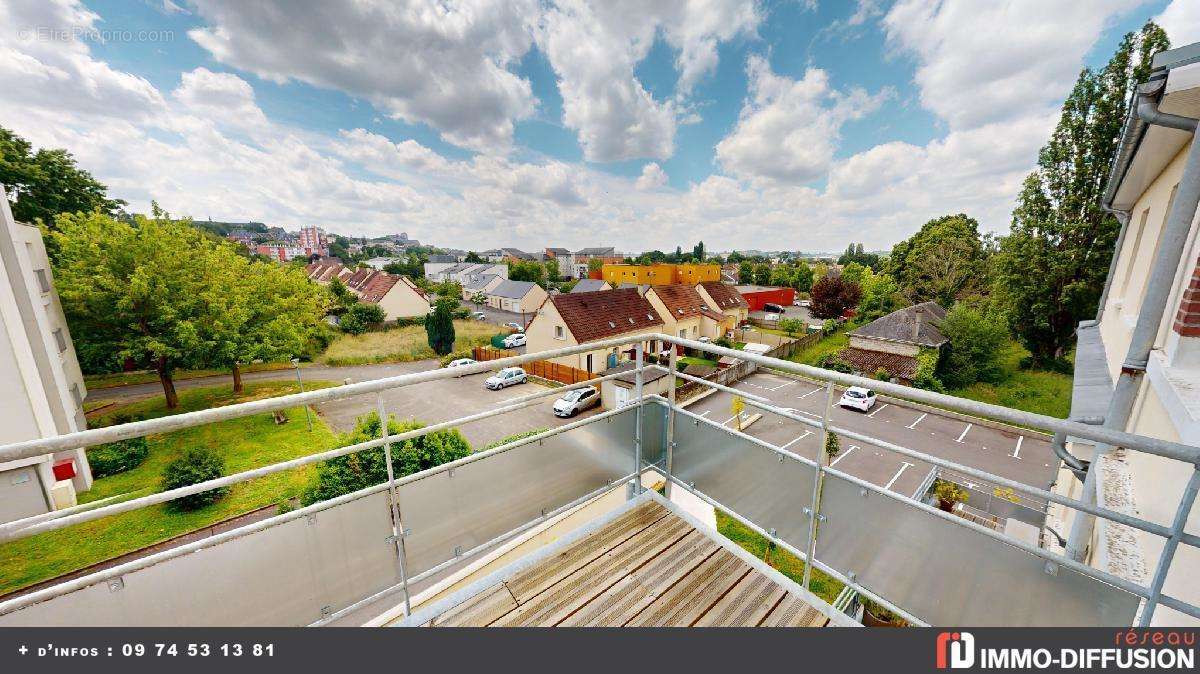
<point x="618" y="391"/>
<point x="313" y="240"/>
<point x="40" y="378"/>
<point x="397" y="295"/>
<point x="590" y="285"/>
<point x="463" y="272"/>
<point x="513" y="255"/>
<point x="759" y="296"/>
<point x="686" y="314"/>
<point x="379" y="263"/>
<point x="660" y="274"/>
<point x="581" y="260"/>
<point x="568" y="319"/>
<point x="324" y="272"/>
<point x="522" y="297"/>
<point x="481" y="284"/>
<point x="896" y="341"/>
<point x="726" y="299"/>
<point x="1144" y="385"/>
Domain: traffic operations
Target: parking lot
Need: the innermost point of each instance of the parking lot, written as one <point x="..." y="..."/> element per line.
<point x="445" y="399"/>
<point x="499" y="316"/>
<point x="1024" y="457"/>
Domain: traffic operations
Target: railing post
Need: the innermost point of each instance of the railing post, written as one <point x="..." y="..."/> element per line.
<point x="1168" y="554"/>
<point x="814" y="512"/>
<point x="394" y="496"/>
<point x="670" y="443"/>
<point x="635" y="487"/>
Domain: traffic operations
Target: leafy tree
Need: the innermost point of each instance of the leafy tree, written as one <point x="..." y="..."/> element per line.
<point x="855" y="253"/>
<point x="361" y="316"/>
<point x="353" y="472"/>
<point x="479" y="299"/>
<point x="762" y="274"/>
<point x="944" y="261"/>
<point x="880" y="295"/>
<point x="439" y="327"/>
<point x="832" y="296"/>
<point x="976" y="342"/>
<point x="853" y="272"/>
<point x="803" y="278"/>
<point x="833" y="446"/>
<point x="527" y="271"/>
<point x="196" y="465"/>
<point x="143" y="290"/>
<point x="791" y="326"/>
<point x="552" y="275"/>
<point x="1050" y="269"/>
<point x="472" y="256"/>
<point x="698" y="252"/>
<point x="46" y="183"/>
<point x="595" y="264"/>
<point x="745" y="271"/>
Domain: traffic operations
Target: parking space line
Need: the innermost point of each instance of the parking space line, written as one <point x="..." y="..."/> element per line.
<point x="843" y="455"/>
<point x="872" y="414"/>
<point x="705" y="413"/>
<point x="786" y="383"/>
<point x="808" y="394"/>
<point x="895" y="477"/>
<point x="806" y="434"/>
<point x="914" y="424"/>
<point x="1020" y="439"/>
<point x="964" y="433"/>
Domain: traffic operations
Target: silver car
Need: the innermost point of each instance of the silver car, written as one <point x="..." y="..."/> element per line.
<point x="506" y="377"/>
<point x="575" y="401"/>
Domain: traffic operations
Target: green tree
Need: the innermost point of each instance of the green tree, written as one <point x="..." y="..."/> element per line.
<point x="833" y="446"/>
<point x="353" y="472"/>
<point x="142" y="291"/>
<point x="472" y="256"/>
<point x="698" y="252"/>
<point x="439" y="327"/>
<point x="527" y="271"/>
<point x="880" y="295"/>
<point x="803" y="278"/>
<point x="47" y="183"/>
<point x="762" y="274"/>
<point x="791" y="326"/>
<point x="853" y="272"/>
<point x="595" y="264"/>
<point x="745" y="272"/>
<point x="942" y="262"/>
<point x="361" y="316"/>
<point x="196" y="465"/>
<point x="341" y="296"/>
<point x="552" y="275"/>
<point x="1050" y="269"/>
<point x="973" y="352"/>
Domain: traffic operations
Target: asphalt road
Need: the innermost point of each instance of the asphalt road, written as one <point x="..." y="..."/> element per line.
<point x="1024" y="457"/>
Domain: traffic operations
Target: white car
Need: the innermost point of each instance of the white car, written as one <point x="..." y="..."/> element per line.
<point x="859" y="398"/>
<point x="506" y="377"/>
<point x="575" y="401"/>
<point x="479" y="316"/>
<point x="514" y="340"/>
<point x="461" y="362"/>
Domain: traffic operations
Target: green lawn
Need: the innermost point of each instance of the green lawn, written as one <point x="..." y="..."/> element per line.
<point x="829" y="344"/>
<point x="245" y="443"/>
<point x="1038" y="391"/>
<point x="821" y="584"/>
<point x="403" y="344"/>
<point x="99" y="381"/>
<point x="693" y="360"/>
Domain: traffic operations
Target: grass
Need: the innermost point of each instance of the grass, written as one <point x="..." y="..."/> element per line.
<point x="1038" y="391"/>
<point x="245" y="443"/>
<point x="110" y="380"/>
<point x="824" y="586"/>
<point x="693" y="360"/>
<point x="830" y="344"/>
<point x="400" y="345"/>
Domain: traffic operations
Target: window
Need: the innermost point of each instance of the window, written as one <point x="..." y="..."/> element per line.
<point x="589" y="362"/>
<point x="559" y="332"/>
<point x="43" y="280"/>
<point x="694" y="330"/>
<point x="1132" y="255"/>
<point x="60" y="340"/>
<point x="683" y="333"/>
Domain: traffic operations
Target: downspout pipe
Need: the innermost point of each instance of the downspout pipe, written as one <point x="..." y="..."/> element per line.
<point x="1154" y="303"/>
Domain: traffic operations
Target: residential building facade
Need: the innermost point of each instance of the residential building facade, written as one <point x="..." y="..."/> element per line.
<point x="686" y="314"/>
<point x="41" y="383"/>
<point x="569" y="319"/>
<point x="895" y="343"/>
<point x="660" y="274"/>
<point x="726" y="299"/>
<point x="523" y="297"/>
<point x="397" y="295"/>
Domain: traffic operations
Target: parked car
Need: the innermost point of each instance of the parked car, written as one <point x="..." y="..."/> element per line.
<point x="514" y="340"/>
<point x="460" y="362"/>
<point x="859" y="398"/>
<point x="770" y="316"/>
<point x="479" y="315"/>
<point x="506" y="377"/>
<point x="575" y="401"/>
<point x="803" y="303"/>
<point x="515" y="326"/>
<point x="772" y="308"/>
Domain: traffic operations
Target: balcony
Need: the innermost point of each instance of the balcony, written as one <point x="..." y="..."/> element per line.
<point x="567" y="527"/>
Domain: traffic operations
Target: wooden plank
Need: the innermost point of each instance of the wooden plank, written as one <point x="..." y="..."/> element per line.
<point x="746" y="604"/>
<point x="526" y="584"/>
<point x="479" y="611"/>
<point x="568" y="595"/>
<point x="690" y="598"/>
<point x="794" y="612"/>
<point x="621" y="602"/>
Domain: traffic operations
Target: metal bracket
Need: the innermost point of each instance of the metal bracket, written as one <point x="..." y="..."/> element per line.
<point x="116" y="584"/>
<point x="311" y="519"/>
<point x="326" y="611"/>
<point x="1051" y="569"/>
<point x="458" y="551"/>
<point x="780" y="458"/>
<point x="450" y="472"/>
<point x="771" y="533"/>
<point x="820" y="517"/>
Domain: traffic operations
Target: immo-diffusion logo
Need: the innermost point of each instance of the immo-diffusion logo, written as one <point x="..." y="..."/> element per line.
<point x="1170" y="649"/>
<point x="955" y="650"/>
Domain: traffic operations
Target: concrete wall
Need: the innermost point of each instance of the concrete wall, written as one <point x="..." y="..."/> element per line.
<point x="885" y="346"/>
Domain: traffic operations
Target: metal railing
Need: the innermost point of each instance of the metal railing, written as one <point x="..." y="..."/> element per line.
<point x="642" y="458"/>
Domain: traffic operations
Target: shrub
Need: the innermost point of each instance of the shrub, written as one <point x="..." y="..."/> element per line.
<point x="516" y="436"/>
<point x="117" y="457"/>
<point x="195" y="466"/>
<point x="977" y="339"/>
<point x="833" y="446"/>
<point x="830" y="361"/>
<point x="455" y="355"/>
<point x="724" y="342"/>
<point x="360" y="316"/>
<point x="439" y="328"/>
<point x="498" y="341"/>
<point x="948" y="493"/>
<point x="829" y="327"/>
<point x="883" y="375"/>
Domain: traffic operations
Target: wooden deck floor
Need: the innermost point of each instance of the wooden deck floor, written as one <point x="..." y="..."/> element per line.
<point x="646" y="568"/>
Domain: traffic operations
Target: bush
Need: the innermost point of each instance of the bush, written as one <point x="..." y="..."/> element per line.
<point x="724" y="341"/>
<point x="883" y="375"/>
<point x="498" y="341"/>
<point x="455" y="355"/>
<point x="117" y="457"/>
<point x="830" y="361"/>
<point x="833" y="446"/>
<point x="360" y="316"/>
<point x="439" y="327"/>
<point x="516" y="436"/>
<point x="973" y="352"/>
<point x="195" y="466"/>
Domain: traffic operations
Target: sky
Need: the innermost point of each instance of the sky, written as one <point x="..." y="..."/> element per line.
<point x="771" y="125"/>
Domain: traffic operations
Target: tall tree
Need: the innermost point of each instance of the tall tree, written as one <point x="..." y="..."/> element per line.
<point x="47" y="182"/>
<point x="832" y="296"/>
<point x="803" y="278"/>
<point x="698" y="252"/>
<point x="143" y="291"/>
<point x="945" y="260"/>
<point x="439" y="327"/>
<point x="1050" y="269"/>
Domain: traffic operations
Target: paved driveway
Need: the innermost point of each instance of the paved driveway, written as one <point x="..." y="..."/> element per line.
<point x="1024" y="457"/>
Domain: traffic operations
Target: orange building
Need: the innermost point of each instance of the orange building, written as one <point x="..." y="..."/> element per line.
<point x="660" y="274"/>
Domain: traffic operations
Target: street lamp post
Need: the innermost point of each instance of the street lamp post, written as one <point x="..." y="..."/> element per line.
<point x="300" y="382"/>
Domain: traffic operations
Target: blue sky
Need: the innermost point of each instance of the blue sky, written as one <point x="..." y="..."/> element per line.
<point x="770" y="125"/>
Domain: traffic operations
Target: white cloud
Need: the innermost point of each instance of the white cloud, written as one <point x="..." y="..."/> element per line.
<point x="788" y="129"/>
<point x="652" y="178"/>
<point x="223" y="97"/>
<point x="445" y="64"/>
<point x="1181" y="20"/>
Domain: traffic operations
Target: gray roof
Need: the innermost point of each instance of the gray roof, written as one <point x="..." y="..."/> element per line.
<point x="589" y="285"/>
<point x="513" y="290"/>
<point x="1091" y="387"/>
<point x="630" y="377"/>
<point x="596" y="251"/>
<point x="478" y="282"/>
<point x="913" y="325"/>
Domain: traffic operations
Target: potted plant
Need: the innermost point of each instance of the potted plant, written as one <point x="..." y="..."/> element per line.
<point x="948" y="494"/>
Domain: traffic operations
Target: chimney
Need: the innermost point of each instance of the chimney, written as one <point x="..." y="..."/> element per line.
<point x="916" y="325"/>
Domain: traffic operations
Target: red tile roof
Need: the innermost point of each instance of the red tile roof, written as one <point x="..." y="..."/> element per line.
<point x="684" y="301"/>
<point x="869" y="362"/>
<point x="605" y="313"/>
<point x="725" y="295"/>
<point x="377" y="287"/>
<point x="358" y="280"/>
